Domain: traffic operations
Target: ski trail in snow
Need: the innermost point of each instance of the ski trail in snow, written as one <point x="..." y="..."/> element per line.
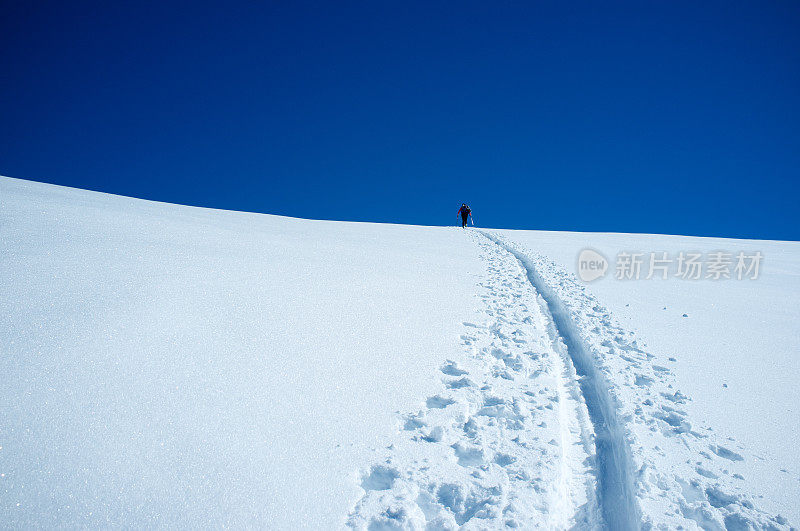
<point x="573" y="415"/>
<point x="507" y="442"/>
<point x="616" y="491"/>
<point x="553" y="417"/>
<point x="656" y="468"/>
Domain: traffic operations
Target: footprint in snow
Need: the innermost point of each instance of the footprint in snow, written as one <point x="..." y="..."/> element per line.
<point x="435" y="435"/>
<point x="706" y="473"/>
<point x="380" y="478"/>
<point x="725" y="453"/>
<point x="460" y="383"/>
<point x="413" y="422"/>
<point x="468" y="455"/>
<point x="451" y="369"/>
<point x="438" y="402"/>
<point x="504" y="459"/>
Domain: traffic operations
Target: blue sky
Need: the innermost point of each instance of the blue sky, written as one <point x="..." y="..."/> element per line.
<point x="664" y="117"/>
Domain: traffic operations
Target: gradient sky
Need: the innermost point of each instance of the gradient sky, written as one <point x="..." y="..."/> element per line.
<point x="664" y="117"/>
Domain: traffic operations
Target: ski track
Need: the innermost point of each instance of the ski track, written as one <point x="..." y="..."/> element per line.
<point x="616" y="490"/>
<point x="507" y="442"/>
<point x="676" y="474"/>
<point x="555" y="418"/>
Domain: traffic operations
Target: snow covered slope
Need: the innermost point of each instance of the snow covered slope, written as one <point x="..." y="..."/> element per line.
<point x="168" y="365"/>
<point x="549" y="367"/>
<point x="734" y="354"/>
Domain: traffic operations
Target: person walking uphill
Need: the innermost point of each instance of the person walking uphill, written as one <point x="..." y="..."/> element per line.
<point x="465" y="213"/>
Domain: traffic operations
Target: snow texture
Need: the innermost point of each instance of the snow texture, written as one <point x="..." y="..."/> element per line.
<point x="185" y="367"/>
<point x="168" y="366"/>
<point x="728" y="347"/>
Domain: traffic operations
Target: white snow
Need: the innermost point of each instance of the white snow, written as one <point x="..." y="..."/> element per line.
<point x="507" y="442"/>
<point x="165" y="365"/>
<point x="175" y="366"/>
<point x="735" y="355"/>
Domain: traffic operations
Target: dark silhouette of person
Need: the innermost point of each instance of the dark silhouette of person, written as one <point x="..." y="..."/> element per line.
<point x="465" y="213"/>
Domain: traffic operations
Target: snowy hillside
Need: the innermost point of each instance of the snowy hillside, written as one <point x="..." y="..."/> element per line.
<point x="176" y="366"/>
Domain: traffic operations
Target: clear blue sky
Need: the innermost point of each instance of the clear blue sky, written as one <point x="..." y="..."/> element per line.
<point x="666" y="117"/>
